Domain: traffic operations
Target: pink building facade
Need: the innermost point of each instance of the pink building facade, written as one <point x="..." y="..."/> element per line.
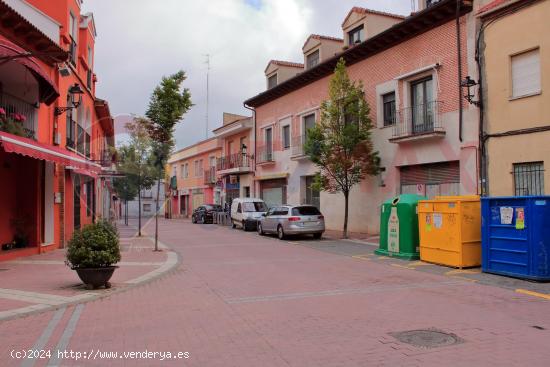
<point x="426" y="136"/>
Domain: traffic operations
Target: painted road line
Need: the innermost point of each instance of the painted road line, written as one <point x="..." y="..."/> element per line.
<point x="463" y="271"/>
<point x="45" y="336"/>
<point x="66" y="336"/>
<point x="464" y="278"/>
<point x="22" y="311"/>
<point x="362" y="257"/>
<point x="33" y="297"/>
<point x="401" y="266"/>
<point x="535" y="294"/>
<point x="421" y="263"/>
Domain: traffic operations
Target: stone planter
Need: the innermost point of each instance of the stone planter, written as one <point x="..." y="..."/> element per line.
<point x="96" y="277"/>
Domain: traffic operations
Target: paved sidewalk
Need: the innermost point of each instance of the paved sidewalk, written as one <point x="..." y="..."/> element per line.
<point x="42" y="282"/>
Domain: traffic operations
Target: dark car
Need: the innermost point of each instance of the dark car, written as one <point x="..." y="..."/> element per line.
<point x="205" y="213"/>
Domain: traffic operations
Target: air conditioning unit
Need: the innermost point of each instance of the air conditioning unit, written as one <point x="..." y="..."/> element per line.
<point x="64" y="70"/>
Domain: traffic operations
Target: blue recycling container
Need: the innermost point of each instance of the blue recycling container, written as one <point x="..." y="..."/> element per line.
<point x="515" y="234"/>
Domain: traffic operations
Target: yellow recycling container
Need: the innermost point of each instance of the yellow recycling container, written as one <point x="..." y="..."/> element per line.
<point x="450" y="230"/>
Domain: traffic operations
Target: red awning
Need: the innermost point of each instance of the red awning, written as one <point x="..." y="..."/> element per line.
<point x="33" y="149"/>
<point x="48" y="89"/>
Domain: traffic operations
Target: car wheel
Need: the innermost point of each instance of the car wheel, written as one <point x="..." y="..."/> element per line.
<point x="317" y="236"/>
<point x="193" y="220"/>
<point x="233" y="225"/>
<point x="280" y="232"/>
<point x="245" y="228"/>
<point x="260" y="229"/>
<point x="203" y="220"/>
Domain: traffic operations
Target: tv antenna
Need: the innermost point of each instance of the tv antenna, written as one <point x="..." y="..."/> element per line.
<point x="207" y="62"/>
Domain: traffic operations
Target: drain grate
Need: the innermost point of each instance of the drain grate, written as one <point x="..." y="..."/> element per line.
<point x="429" y="338"/>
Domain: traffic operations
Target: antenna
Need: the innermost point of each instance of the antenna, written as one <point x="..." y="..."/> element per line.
<point x="413" y="6"/>
<point x="207" y="62"/>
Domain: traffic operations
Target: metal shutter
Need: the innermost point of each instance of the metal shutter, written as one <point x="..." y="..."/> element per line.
<point x="526" y="73"/>
<point x="435" y="173"/>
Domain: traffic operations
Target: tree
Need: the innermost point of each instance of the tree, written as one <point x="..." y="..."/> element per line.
<point x="169" y="102"/>
<point x="340" y="144"/>
<point x="125" y="187"/>
<point x="136" y="163"/>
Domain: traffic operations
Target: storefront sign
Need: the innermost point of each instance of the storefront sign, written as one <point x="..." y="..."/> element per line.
<point x="393" y="231"/>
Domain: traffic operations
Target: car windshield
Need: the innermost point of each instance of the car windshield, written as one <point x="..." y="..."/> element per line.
<point x="305" y="210"/>
<point x="256" y="206"/>
<point x="216" y="208"/>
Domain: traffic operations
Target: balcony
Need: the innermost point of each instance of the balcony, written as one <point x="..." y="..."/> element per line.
<point x="210" y="176"/>
<point x="418" y="122"/>
<point x="234" y="163"/>
<point x="106" y="158"/>
<point x="13" y="105"/>
<point x="264" y="154"/>
<point x="297" y="149"/>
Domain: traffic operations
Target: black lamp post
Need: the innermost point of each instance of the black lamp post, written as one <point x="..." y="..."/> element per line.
<point x="469" y="84"/>
<point x="73" y="90"/>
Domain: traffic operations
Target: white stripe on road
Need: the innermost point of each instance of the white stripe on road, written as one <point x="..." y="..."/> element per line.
<point x="171" y="262"/>
<point x="66" y="336"/>
<point x="41" y="298"/>
<point x="59" y="262"/>
<point x="46" y="334"/>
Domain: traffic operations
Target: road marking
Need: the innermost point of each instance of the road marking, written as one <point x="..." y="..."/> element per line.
<point x="401" y="266"/>
<point x="420" y="263"/>
<point x="45" y="336"/>
<point x="463" y="271"/>
<point x="535" y="294"/>
<point x="171" y="262"/>
<point x="464" y="278"/>
<point x="361" y="257"/>
<point x="67" y="334"/>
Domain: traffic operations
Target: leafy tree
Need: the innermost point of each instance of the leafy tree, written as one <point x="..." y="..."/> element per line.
<point x="169" y="102"/>
<point x="340" y="144"/>
<point x="136" y="163"/>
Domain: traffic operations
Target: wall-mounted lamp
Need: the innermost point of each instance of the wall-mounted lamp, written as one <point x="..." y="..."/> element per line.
<point x="469" y="84"/>
<point x="73" y="90"/>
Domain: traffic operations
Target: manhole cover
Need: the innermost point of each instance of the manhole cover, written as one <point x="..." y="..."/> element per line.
<point x="430" y="338"/>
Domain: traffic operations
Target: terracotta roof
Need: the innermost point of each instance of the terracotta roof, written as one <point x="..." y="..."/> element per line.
<point x="284" y="63"/>
<point x="357" y="9"/>
<point x="321" y="37"/>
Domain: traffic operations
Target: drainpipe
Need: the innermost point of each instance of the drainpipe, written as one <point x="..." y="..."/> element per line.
<point x="255" y="146"/>
<point x="459" y="56"/>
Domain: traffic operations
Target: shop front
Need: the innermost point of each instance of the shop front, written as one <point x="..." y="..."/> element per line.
<point x="274" y="191"/>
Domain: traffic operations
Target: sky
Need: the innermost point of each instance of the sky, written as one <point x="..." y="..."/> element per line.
<point x="140" y="41"/>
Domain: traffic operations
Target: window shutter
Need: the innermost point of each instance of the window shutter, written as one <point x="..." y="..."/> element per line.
<point x="526" y="73"/>
<point x="436" y="173"/>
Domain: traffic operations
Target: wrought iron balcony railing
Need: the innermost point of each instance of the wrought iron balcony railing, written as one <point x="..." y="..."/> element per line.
<point x="417" y="120"/>
<point x="210" y="176"/>
<point x="264" y="154"/>
<point x="14" y="106"/>
<point x="235" y="160"/>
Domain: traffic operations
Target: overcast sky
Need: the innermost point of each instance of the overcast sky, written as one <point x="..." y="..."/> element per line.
<point x="139" y="41"/>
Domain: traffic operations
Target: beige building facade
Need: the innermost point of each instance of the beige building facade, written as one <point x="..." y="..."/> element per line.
<point x="515" y="50"/>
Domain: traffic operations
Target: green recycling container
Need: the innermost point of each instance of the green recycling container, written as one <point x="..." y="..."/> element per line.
<point x="399" y="227"/>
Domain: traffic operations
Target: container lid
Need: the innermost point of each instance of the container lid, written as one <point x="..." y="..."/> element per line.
<point x="406" y="199"/>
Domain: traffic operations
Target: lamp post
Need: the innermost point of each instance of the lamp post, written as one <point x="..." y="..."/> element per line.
<point x="469" y="84"/>
<point x="73" y="90"/>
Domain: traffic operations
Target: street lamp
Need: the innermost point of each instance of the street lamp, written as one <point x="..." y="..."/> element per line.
<point x="469" y="83"/>
<point x="73" y="90"/>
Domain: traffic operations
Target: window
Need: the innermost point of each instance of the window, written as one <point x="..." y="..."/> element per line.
<point x="312" y="59"/>
<point x="242" y="145"/>
<point x="73" y="36"/>
<point x="182" y="171"/>
<point x="423" y="105"/>
<point x="526" y="73"/>
<point x="71" y="125"/>
<point x="529" y="178"/>
<point x="388" y="106"/>
<point x="146" y="207"/>
<point x="356" y="35"/>
<point x="272" y="81"/>
<point x="246" y="191"/>
<point x="196" y="170"/>
<point x="256" y="206"/>
<point x="286" y="136"/>
<point x="186" y="170"/>
<point x="147" y="193"/>
<point x="269" y="143"/>
<point x="309" y="122"/>
<point x="305" y="210"/>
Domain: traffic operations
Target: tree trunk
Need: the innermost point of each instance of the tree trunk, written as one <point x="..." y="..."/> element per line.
<point x="139" y="205"/>
<point x="157" y="216"/>
<point x="346" y="207"/>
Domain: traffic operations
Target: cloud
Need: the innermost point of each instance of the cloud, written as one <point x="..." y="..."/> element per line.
<point x="139" y="41"/>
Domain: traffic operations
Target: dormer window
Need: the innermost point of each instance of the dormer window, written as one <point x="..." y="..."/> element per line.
<point x="272" y="81"/>
<point x="312" y="59"/>
<point x="431" y="2"/>
<point x="356" y="35"/>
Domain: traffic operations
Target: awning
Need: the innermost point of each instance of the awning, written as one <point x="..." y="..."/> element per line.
<point x="36" y="150"/>
<point x="84" y="172"/>
<point x="48" y="91"/>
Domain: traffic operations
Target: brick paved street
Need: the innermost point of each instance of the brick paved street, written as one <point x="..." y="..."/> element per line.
<point x="238" y="299"/>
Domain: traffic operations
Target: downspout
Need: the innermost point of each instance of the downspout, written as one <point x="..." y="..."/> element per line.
<point x="255" y="146"/>
<point x="459" y="56"/>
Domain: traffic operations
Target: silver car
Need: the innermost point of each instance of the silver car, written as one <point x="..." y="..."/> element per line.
<point x="288" y="220"/>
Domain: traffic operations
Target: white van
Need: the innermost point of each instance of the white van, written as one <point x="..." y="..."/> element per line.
<point x="245" y="212"/>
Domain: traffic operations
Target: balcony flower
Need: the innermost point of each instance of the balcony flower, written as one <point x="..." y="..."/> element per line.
<point x="19" y="117"/>
<point x="2" y="112"/>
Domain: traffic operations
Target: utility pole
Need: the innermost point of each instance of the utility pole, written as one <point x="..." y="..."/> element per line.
<point x="207" y="92"/>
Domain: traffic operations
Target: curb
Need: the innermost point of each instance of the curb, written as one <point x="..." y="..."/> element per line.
<point x="172" y="262"/>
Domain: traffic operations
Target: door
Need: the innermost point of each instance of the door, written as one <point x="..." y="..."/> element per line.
<point x="272" y="196"/>
<point x="422" y="105"/>
<point x="268" y="220"/>
<point x="76" y="201"/>
<point x="198" y="200"/>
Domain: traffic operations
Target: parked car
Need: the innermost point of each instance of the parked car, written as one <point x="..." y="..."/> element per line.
<point x="245" y="212"/>
<point x="289" y="220"/>
<point x="205" y="213"/>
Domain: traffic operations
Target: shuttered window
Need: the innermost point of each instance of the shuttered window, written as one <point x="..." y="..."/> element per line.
<point x="526" y="73"/>
<point x="435" y="173"/>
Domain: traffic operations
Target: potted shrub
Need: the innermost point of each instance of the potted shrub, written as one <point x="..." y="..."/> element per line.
<point x="92" y="253"/>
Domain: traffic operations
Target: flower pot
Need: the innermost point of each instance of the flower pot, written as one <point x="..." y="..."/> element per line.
<point x="96" y="277"/>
